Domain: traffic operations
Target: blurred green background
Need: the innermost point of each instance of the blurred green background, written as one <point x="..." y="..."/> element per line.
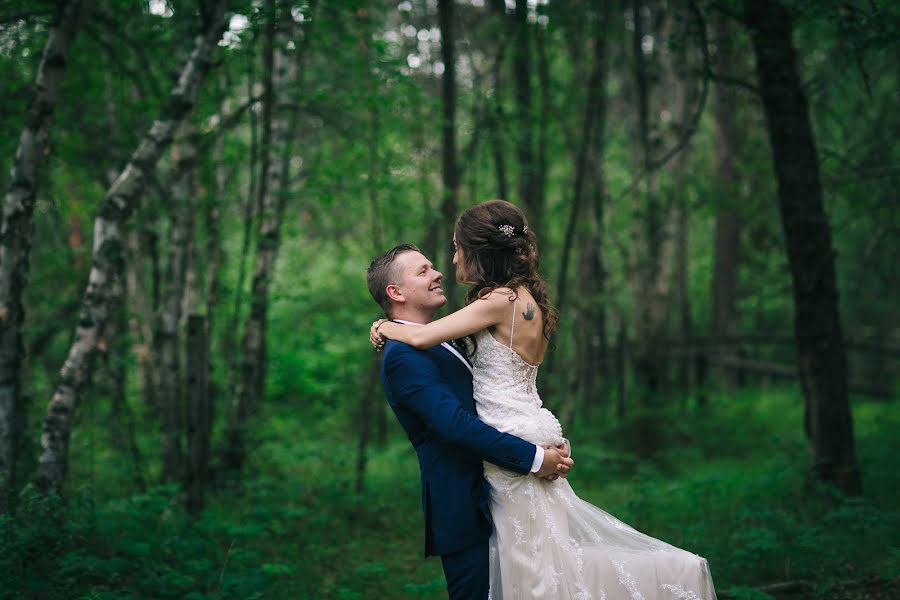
<point x="633" y="134"/>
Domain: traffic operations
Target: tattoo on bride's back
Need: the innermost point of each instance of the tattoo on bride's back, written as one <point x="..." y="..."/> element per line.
<point x="529" y="312"/>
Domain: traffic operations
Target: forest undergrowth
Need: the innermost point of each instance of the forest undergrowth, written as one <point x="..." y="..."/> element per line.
<point x="727" y="482"/>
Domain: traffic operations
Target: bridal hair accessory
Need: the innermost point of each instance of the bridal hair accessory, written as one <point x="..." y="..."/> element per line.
<point x="509" y="230"/>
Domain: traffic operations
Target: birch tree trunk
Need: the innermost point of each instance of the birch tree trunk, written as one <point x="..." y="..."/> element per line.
<point x="252" y="373"/>
<point x="108" y="254"/>
<point x="821" y="354"/>
<point x="16" y="228"/>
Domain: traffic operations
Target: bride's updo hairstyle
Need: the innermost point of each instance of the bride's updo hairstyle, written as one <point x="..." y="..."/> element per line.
<point x="500" y="250"/>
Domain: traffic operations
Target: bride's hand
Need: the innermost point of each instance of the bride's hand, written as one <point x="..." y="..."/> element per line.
<point x="374" y="337"/>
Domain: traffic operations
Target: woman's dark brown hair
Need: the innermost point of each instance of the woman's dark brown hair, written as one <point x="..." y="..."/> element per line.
<point x="500" y="250"/>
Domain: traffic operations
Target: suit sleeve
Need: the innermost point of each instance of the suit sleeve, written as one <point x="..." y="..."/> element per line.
<point x="417" y="385"/>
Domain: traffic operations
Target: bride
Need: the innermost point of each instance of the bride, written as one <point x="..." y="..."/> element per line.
<point x="547" y="542"/>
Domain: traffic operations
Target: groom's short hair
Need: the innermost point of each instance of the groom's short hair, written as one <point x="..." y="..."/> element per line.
<point x="381" y="273"/>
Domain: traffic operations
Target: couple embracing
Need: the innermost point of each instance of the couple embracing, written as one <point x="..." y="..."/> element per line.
<point x="498" y="508"/>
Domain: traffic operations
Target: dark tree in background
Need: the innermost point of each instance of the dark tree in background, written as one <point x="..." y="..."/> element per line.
<point x="449" y="166"/>
<point x="821" y="357"/>
<point x="727" y="234"/>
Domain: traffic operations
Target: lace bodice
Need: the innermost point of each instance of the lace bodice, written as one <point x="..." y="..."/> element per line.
<point x="505" y="394"/>
<point x="548" y="543"/>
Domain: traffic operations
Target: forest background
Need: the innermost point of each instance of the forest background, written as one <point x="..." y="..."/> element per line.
<point x="189" y="406"/>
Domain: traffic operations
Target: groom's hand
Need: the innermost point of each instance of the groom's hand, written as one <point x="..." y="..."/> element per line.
<point x="555" y="464"/>
<point x="565" y="451"/>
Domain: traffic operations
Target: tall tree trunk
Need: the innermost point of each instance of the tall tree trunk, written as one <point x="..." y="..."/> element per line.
<point x="495" y="121"/>
<point x="821" y="355"/>
<point x="214" y="259"/>
<point x="594" y="107"/>
<point x="524" y="146"/>
<point x="373" y="182"/>
<point x="645" y="359"/>
<point x="654" y="248"/>
<point x="727" y="233"/>
<point x="168" y="345"/>
<point x="449" y="168"/>
<point x="190" y="301"/>
<point x="679" y="202"/>
<point x="230" y="333"/>
<point x="543" y="121"/>
<point x="365" y="415"/>
<point x="682" y="289"/>
<point x="198" y="413"/>
<point x="140" y="317"/>
<point x="591" y="340"/>
<point x="252" y="373"/>
<point x="16" y="228"/>
<point x="424" y="185"/>
<point x="108" y="255"/>
<point x="121" y="418"/>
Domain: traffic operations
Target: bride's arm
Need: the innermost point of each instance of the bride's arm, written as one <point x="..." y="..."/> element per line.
<point x="480" y="314"/>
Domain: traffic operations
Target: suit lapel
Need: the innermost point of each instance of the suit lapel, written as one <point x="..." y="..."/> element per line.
<point x="446" y="346"/>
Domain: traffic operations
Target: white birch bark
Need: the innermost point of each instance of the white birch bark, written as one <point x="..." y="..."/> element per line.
<point x="108" y="253"/>
<point x="16" y="229"/>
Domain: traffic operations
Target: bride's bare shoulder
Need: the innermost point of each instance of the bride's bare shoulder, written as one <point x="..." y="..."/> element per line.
<point x="499" y="294"/>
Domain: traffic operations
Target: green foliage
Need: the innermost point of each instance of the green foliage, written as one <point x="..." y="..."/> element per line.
<point x="142" y="546"/>
<point x="727" y="483"/>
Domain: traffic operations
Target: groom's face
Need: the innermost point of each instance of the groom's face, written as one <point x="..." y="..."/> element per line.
<point x="418" y="283"/>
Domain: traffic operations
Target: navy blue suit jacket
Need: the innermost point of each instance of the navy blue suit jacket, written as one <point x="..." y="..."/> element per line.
<point x="430" y="392"/>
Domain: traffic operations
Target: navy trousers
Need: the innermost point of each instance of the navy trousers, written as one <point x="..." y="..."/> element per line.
<point x="468" y="573"/>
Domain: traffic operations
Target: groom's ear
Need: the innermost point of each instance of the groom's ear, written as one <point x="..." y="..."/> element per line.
<point x="394" y="293"/>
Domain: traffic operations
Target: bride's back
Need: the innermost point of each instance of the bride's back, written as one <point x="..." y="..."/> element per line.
<point x="523" y="328"/>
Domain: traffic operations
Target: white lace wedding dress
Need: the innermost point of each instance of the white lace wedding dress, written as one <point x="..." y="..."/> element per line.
<point x="548" y="543"/>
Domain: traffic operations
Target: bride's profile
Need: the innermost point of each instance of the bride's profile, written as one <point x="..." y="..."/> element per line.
<point x="547" y="542"/>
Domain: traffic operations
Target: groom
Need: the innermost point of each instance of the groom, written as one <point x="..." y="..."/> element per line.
<point x="430" y="392"/>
